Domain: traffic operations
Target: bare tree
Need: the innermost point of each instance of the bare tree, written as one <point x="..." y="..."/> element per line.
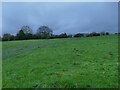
<point x="44" y="32"/>
<point x="26" y="29"/>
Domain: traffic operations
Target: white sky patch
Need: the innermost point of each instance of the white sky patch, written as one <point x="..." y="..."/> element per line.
<point x="60" y="0"/>
<point x="0" y="19"/>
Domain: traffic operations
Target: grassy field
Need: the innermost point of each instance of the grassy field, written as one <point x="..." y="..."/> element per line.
<point x="0" y="65"/>
<point x="90" y="62"/>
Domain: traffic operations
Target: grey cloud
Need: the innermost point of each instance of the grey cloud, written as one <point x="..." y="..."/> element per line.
<point x="61" y="17"/>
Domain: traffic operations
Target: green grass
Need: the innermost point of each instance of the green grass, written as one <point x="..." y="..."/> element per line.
<point x="90" y="62"/>
<point x="0" y="65"/>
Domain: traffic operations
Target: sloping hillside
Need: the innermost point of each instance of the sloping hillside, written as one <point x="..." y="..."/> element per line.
<point x="72" y="62"/>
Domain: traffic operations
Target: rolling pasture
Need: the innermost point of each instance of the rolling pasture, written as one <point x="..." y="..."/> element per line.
<point x="0" y="65"/>
<point x="88" y="62"/>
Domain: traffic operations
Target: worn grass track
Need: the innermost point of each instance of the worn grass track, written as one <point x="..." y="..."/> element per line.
<point x="68" y="63"/>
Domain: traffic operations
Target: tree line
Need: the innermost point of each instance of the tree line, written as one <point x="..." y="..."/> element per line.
<point x="44" y="32"/>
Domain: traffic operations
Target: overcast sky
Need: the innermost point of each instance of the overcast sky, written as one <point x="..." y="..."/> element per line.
<point x="66" y="17"/>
